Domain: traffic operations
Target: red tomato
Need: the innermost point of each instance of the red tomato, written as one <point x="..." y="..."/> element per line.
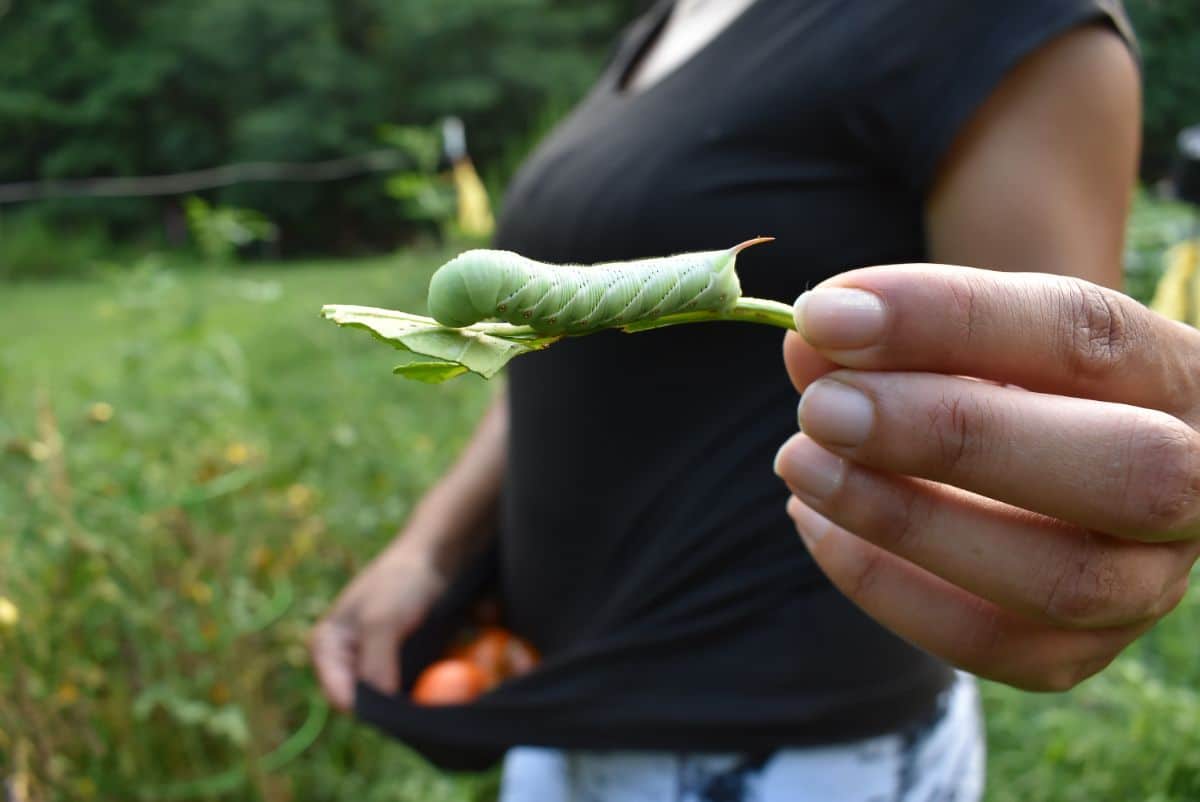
<point x="499" y="652"/>
<point x="487" y="649"/>
<point x="451" y="682"/>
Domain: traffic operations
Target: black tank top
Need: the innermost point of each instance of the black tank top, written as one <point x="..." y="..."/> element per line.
<point x="644" y="545"/>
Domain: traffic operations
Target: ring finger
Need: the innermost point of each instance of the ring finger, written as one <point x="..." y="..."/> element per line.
<point x="1036" y="565"/>
<point x="945" y="620"/>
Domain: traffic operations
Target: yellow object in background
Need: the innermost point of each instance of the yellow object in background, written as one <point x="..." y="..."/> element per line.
<point x="474" y="211"/>
<point x="1194" y="256"/>
<point x="1178" y="293"/>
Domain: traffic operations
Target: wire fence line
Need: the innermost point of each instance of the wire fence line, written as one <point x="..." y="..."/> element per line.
<point x="210" y="178"/>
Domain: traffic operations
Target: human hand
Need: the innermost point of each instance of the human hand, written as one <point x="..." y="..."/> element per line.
<point x="1025" y="535"/>
<point x="359" y="637"/>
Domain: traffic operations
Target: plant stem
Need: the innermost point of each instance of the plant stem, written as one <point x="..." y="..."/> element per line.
<point x="747" y="310"/>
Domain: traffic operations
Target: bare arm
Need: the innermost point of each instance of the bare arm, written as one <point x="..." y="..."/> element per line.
<point x="1041" y="178"/>
<point x="360" y="636"/>
<point x="453" y="519"/>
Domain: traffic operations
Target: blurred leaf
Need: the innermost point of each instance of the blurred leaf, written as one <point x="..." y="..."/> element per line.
<point x="230" y="724"/>
<point x="471" y="348"/>
<point x="421" y="143"/>
<point x="430" y="372"/>
<point x="220" y="231"/>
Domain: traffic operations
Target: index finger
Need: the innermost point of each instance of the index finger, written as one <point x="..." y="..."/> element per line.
<point x="1048" y="333"/>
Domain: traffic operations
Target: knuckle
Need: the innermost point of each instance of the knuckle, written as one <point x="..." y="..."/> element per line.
<point x="1164" y="477"/>
<point x="890" y="513"/>
<point x="1168" y="600"/>
<point x="959" y="428"/>
<point x="1086" y="669"/>
<point x="965" y="295"/>
<point x="1057" y="679"/>
<point x="1096" y="329"/>
<point x="1101" y="586"/>
<point x="1085" y="590"/>
<point x="864" y="574"/>
<point x="910" y="520"/>
<point x="988" y="640"/>
<point x="1066" y="676"/>
<point x="1051" y="673"/>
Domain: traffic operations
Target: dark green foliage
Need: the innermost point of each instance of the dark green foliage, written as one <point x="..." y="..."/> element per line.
<point x="1169" y="33"/>
<point x="120" y="87"/>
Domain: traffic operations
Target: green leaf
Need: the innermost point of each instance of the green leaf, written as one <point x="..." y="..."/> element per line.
<point x="430" y="372"/>
<point x="482" y="349"/>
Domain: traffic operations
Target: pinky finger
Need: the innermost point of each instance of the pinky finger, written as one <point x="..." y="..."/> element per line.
<point x="947" y="621"/>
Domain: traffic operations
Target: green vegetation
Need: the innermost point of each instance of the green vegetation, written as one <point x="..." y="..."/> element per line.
<point x="1169" y="35"/>
<point x="171" y="86"/>
<point x="192" y="463"/>
<point x="154" y="88"/>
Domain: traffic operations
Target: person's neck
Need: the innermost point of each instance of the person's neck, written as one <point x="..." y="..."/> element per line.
<point x="691" y="26"/>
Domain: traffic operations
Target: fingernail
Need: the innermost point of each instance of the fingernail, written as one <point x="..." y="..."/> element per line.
<point x="836" y="413"/>
<point x="809" y="469"/>
<point x="810" y="532"/>
<point x="840" y="318"/>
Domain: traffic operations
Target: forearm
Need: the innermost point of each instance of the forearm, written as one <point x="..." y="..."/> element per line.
<point x="455" y="518"/>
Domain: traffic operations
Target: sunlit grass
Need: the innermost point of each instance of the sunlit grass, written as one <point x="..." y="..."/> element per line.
<point x="192" y="464"/>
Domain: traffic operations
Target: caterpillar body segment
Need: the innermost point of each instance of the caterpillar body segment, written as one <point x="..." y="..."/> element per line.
<point x="571" y="299"/>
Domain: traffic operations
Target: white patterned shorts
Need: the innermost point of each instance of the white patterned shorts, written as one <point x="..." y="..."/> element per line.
<point x="942" y="761"/>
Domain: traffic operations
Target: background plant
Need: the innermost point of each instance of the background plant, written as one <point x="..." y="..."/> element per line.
<point x="170" y="86"/>
<point x="220" y="232"/>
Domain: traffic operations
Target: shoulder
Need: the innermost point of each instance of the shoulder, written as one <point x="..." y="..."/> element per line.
<point x="1039" y="176"/>
<point x="933" y="64"/>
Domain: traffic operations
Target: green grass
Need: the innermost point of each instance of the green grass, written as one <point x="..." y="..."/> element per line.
<point x="168" y="561"/>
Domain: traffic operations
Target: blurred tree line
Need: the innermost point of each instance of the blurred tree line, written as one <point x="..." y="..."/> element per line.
<point x="1169" y="35"/>
<point x="126" y="87"/>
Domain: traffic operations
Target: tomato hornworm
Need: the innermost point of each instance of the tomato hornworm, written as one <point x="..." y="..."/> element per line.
<point x="573" y="299"/>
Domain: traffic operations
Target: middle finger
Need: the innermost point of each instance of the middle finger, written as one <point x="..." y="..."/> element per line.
<point x="1115" y="468"/>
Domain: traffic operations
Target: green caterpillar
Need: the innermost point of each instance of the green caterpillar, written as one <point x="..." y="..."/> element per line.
<point x="573" y="299"/>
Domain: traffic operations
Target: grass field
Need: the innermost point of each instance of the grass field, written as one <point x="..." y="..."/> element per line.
<point x="191" y="465"/>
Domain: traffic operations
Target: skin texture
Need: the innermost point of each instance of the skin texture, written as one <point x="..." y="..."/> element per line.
<point x="1019" y="492"/>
